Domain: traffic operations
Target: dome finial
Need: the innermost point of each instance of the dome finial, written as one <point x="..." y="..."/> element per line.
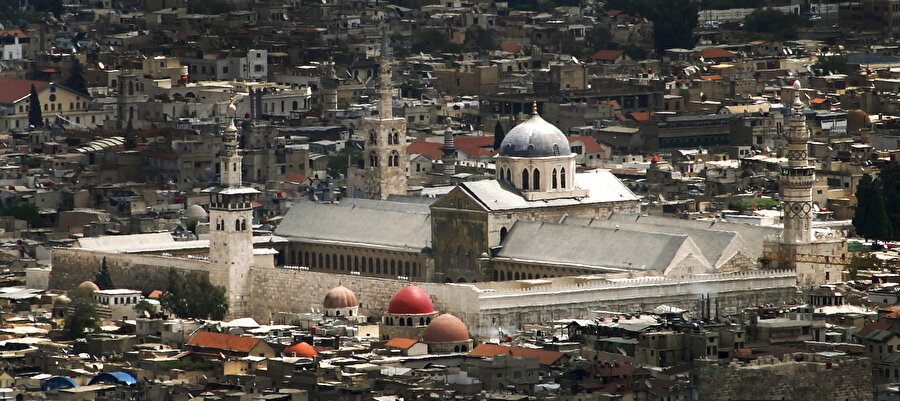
<point x="534" y="107"/>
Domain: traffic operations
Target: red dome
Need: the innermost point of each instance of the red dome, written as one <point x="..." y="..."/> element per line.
<point x="340" y="297"/>
<point x="444" y="329"/>
<point x="410" y="300"/>
<point x="302" y="350"/>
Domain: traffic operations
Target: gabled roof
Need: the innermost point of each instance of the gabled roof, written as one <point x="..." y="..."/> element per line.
<point x="714" y="52"/>
<point x="401" y="343"/>
<point x="297" y="178"/>
<point x="590" y="144"/>
<point x="224" y="342"/>
<point x="430" y="149"/>
<point x="13" y="32"/>
<point x="475" y="145"/>
<point x="394" y="225"/>
<point x="510" y="47"/>
<point x="641" y="116"/>
<point x="545" y="357"/>
<point x="13" y="90"/>
<point x="604" y="249"/>
<point x="607" y="55"/>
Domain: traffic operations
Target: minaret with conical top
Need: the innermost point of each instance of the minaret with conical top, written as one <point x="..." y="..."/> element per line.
<point x="384" y="171"/>
<point x="448" y="159"/>
<point x="797" y="178"/>
<point x="231" y="225"/>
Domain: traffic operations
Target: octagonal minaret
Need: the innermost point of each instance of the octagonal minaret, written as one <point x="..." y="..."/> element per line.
<point x="797" y="178"/>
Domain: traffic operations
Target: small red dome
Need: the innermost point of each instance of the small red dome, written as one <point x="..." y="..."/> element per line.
<point x="410" y="300"/>
<point x="446" y="328"/>
<point x="340" y="297"/>
<point x="302" y="350"/>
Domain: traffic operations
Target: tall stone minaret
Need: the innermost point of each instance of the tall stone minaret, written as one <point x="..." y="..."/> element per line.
<point x="231" y="230"/>
<point x="330" y="83"/>
<point x="797" y="178"/>
<point x="448" y="159"/>
<point x="385" y="135"/>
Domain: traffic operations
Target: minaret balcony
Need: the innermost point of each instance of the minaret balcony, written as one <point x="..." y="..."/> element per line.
<point x="798" y="181"/>
<point x="231" y="206"/>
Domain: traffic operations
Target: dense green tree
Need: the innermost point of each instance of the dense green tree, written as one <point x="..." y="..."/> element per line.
<point x="870" y="218"/>
<point x="350" y="155"/>
<point x="889" y="178"/>
<point x="82" y="314"/>
<point x="35" y="118"/>
<point x="836" y="64"/>
<point x="774" y="23"/>
<point x="27" y="212"/>
<point x="192" y="295"/>
<point x="433" y="41"/>
<point x="673" y="24"/>
<point x="213" y="7"/>
<point x="598" y="38"/>
<point x="498" y="135"/>
<point x="480" y="40"/>
<point x="102" y="278"/>
<point x="76" y="81"/>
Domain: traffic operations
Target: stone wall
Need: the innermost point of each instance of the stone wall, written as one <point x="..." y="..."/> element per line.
<point x="813" y="378"/>
<point x="146" y="273"/>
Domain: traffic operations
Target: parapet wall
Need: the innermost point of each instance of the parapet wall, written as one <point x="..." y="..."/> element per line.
<point x="146" y="273"/>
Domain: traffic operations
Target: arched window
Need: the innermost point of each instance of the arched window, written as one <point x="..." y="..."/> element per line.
<point x="243" y="225"/>
<point x="496" y="275"/>
<point x="334" y="261"/>
<point x="562" y="177"/>
<point x="503" y="232"/>
<point x="553" y="179"/>
<point x="327" y="262"/>
<point x="394" y="160"/>
<point x="402" y="322"/>
<point x="342" y="262"/>
<point x="306" y="258"/>
<point x="406" y="269"/>
<point x="421" y="321"/>
<point x="536" y="178"/>
<point x="378" y="266"/>
<point x="502" y="275"/>
<point x="371" y="266"/>
<point x="517" y="275"/>
<point x="508" y="175"/>
<point x="237" y="225"/>
<point x="316" y="262"/>
<point x="409" y="321"/>
<point x="392" y="268"/>
<point x="415" y="270"/>
<point x="556" y="149"/>
<point x="356" y="263"/>
<point x="372" y="137"/>
<point x="525" y="179"/>
<point x="373" y="159"/>
<point x="396" y="138"/>
<point x="294" y="105"/>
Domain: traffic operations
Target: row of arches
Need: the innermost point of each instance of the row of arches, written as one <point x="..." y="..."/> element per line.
<point x="239" y="225"/>
<point x="406" y="321"/>
<point x="393" y="159"/>
<point x="369" y="265"/>
<point x="532" y="180"/>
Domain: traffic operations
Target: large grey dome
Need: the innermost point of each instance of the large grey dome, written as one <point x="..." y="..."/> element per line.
<point x="535" y="138"/>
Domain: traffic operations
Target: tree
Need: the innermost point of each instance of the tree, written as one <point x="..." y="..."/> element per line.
<point x="870" y="218"/>
<point x="774" y="23"/>
<point x="889" y="178"/>
<point x="498" y="135"/>
<point x="35" y="118"/>
<point x="598" y="38"/>
<point x="27" y="212"/>
<point x="480" y="40"/>
<point x="145" y="308"/>
<point x="102" y="278"/>
<point x="836" y="64"/>
<point x="83" y="314"/>
<point x="350" y="155"/>
<point x="192" y="295"/>
<point x="76" y="81"/>
<point x="433" y="41"/>
<point x="673" y="24"/>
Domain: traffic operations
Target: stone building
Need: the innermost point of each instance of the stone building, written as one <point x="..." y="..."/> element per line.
<point x="384" y="161"/>
<point x="409" y="313"/>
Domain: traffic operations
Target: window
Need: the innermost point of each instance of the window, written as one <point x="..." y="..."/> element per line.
<point x="536" y="180"/>
<point x="553" y="179"/>
<point x="524" y="179"/>
<point x="562" y="177"/>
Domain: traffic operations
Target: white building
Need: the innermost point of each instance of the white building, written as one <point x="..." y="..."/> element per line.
<point x="119" y="303"/>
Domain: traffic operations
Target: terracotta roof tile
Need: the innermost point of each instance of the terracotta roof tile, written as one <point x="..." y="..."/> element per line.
<point x="510" y="47"/>
<point x="607" y="55"/>
<point x="490" y="350"/>
<point x="872" y="327"/>
<point x="590" y="144"/>
<point x="401" y="343"/>
<point x="12" y="32"/>
<point x="296" y="178"/>
<point x="224" y="342"/>
<point x="430" y="149"/>
<point x="711" y="77"/>
<point x="12" y="90"/>
<point x="714" y="52"/>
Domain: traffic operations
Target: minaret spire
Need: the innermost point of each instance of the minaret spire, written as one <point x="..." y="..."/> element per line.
<point x="231" y="160"/>
<point x="386" y="90"/>
<point x="448" y="159"/>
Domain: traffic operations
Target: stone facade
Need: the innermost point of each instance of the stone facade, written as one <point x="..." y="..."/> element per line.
<point x="799" y="377"/>
<point x="139" y="272"/>
<point x="367" y="261"/>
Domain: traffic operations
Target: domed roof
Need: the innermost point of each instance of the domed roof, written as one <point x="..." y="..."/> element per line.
<point x="535" y="138"/>
<point x="90" y="285"/>
<point x="444" y="329"/>
<point x="195" y="212"/>
<point x="302" y="350"/>
<point x="410" y="300"/>
<point x="340" y="297"/>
